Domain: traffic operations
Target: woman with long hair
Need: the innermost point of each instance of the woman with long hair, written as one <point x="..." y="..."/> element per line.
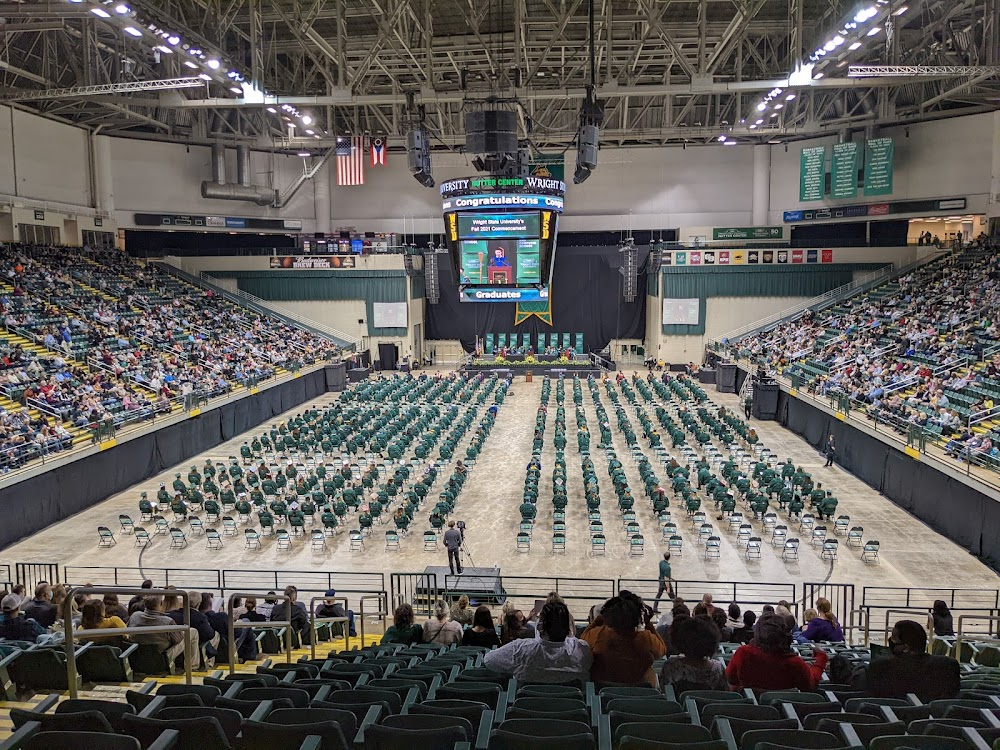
<point x="403" y="630"/>
<point x="462" y="613"/>
<point x="514" y="626"/>
<point x="93" y="617"/>
<point x="483" y="632"/>
<point x="623" y="642"/>
<point x="824" y="627"/>
<point x="943" y="624"/>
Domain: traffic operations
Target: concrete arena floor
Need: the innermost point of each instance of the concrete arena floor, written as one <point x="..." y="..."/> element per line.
<point x="912" y="554"/>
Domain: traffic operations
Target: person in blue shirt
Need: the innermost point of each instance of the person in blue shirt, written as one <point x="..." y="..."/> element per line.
<point x="499" y="259"/>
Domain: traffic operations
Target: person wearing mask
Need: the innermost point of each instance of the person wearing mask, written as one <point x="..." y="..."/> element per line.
<point x="623" y="642"/>
<point x="695" y="639"/>
<point x="13" y="625"/>
<point x="40" y="608"/>
<point x="554" y="657"/>
<point x="943" y="624"/>
<point x="294" y="611"/>
<point x="153" y="615"/>
<point x="910" y="669"/>
<point x="768" y="662"/>
<point x="483" y="632"/>
<point x="462" y="613"/>
<point x="403" y="630"/>
<point x="333" y="608"/>
<point x="439" y="629"/>
<point x="824" y="627"/>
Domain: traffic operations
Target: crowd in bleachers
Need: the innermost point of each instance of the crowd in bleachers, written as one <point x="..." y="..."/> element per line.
<point x="95" y="336"/>
<point x="920" y="350"/>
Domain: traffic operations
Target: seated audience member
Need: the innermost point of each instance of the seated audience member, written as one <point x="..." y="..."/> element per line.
<point x="514" y="626"/>
<point x="623" y="642"/>
<point x="13" y="625"/>
<point x="910" y="669"/>
<point x="40" y="608"/>
<point x="695" y="640"/>
<point x="113" y="608"/>
<point x="93" y="617"/>
<point x="462" y="613"/>
<point x="250" y="613"/>
<point x="153" y="615"/>
<point x="943" y="624"/>
<point x="483" y="632"/>
<point x="403" y="630"/>
<point x="295" y="611"/>
<point x="666" y="620"/>
<point x="135" y="603"/>
<point x="200" y="623"/>
<point x="823" y="627"/>
<point x="768" y="663"/>
<point x="439" y="629"/>
<point x="332" y="608"/>
<point x="555" y="656"/>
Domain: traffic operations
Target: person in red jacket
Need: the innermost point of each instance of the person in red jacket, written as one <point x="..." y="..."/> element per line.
<point x="768" y="663"/>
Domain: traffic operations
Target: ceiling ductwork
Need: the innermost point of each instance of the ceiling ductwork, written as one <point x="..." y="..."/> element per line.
<point x="218" y="189"/>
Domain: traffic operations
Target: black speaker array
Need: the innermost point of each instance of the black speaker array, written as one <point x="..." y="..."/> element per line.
<point x="491" y="131"/>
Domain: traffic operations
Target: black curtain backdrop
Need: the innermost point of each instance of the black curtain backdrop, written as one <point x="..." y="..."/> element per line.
<point x="29" y="506"/>
<point x="965" y="516"/>
<point x="586" y="292"/>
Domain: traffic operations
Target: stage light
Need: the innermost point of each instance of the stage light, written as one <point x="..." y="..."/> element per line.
<point x="174" y="39"/>
<point x="191" y="64"/>
<point x="306" y="119"/>
<point x="132" y="31"/>
<point x="213" y="64"/>
<point x="100" y="12"/>
<point x="122" y="9"/>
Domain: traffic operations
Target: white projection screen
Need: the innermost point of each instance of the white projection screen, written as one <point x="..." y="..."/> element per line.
<point x="390" y="314"/>
<point x="682" y="312"/>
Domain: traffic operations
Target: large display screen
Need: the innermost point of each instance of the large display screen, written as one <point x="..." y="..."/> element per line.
<point x="510" y="262"/>
<point x="498" y="225"/>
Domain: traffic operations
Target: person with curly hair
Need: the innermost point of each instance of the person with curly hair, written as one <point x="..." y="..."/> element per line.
<point x="696" y="639"/>
<point x="624" y="642"/>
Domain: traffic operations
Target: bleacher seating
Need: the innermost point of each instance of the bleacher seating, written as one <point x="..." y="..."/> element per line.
<point x="96" y="338"/>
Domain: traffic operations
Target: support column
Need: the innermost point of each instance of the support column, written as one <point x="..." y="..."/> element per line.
<point x="104" y="188"/>
<point x="321" y="195"/>
<point x="761" y="185"/>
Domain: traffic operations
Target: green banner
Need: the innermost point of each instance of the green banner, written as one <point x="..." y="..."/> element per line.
<point x="812" y="174"/>
<point x="747" y="233"/>
<point x="551" y="166"/>
<point x="878" y="166"/>
<point x="844" y="171"/>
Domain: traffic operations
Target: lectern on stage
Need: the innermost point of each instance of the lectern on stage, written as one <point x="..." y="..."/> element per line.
<point x="499" y="275"/>
<point x="765" y="399"/>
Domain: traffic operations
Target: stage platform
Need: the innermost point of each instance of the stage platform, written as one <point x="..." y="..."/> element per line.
<point x="554" y="370"/>
<point x="482" y="585"/>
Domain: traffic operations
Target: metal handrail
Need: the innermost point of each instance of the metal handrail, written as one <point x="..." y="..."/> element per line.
<point x="383" y="610"/>
<point x="959" y="633"/>
<point x="908" y="611"/>
<point x="313" y="620"/>
<point x="233" y="625"/>
<point x="982" y="416"/>
<point x="67" y="616"/>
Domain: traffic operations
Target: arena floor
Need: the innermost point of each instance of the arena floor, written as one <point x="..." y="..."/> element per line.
<point x="912" y="554"/>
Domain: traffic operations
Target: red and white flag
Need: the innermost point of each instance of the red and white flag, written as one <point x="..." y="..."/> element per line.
<point x="351" y="160"/>
<point x="378" y="149"/>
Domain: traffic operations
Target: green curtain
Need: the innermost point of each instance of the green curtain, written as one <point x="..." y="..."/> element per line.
<point x="309" y="286"/>
<point x="686" y="282"/>
<point x="417" y="286"/>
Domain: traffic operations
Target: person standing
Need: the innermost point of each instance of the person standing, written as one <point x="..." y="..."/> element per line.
<point x="453" y="542"/>
<point x="666" y="582"/>
<point x="748" y="405"/>
<point x="831" y="451"/>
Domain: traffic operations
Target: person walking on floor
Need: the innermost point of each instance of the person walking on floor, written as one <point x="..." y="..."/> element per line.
<point x="831" y="451"/>
<point x="666" y="582"/>
<point x="453" y="542"/>
<point x="748" y="405"/>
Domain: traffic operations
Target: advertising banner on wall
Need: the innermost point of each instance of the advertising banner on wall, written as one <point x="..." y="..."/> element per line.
<point x="747" y="233"/>
<point x="312" y="262"/>
<point x="811" y="256"/>
<point x="796" y="256"/>
<point x="828" y="256"/>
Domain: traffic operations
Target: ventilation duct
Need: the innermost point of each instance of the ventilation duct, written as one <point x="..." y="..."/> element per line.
<point x="219" y="189"/>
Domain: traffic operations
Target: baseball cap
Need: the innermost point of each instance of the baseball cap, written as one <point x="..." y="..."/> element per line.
<point x="10" y="602"/>
<point x="331" y="592"/>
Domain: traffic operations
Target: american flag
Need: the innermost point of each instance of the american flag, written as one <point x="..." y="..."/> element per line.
<point x="351" y="160"/>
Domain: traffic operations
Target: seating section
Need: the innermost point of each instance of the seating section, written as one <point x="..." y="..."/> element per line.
<point x="97" y="338"/>
<point x="921" y="350"/>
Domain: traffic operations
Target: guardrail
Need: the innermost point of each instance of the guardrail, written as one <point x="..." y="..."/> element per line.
<point x="314" y="620"/>
<point x="71" y="636"/>
<point x="247" y="625"/>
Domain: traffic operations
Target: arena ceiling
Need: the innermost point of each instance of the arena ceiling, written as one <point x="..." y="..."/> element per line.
<point x="668" y="71"/>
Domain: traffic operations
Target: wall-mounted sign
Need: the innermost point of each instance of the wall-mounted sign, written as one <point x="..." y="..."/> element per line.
<point x="747" y="233"/>
<point x="39" y="215"/>
<point x="312" y="262"/>
<point x="876" y="209"/>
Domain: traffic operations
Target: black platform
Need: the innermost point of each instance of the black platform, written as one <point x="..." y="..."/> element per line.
<point x="480" y="584"/>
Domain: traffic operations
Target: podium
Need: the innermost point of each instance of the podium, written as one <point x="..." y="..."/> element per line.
<point x="765" y="400"/>
<point x="499" y="275"/>
<point x="725" y="377"/>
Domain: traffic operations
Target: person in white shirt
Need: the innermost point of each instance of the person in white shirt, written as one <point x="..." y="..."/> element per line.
<point x="556" y="656"/>
<point x="441" y="629"/>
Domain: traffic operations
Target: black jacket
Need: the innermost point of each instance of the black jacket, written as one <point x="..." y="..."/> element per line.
<point x="928" y="677"/>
